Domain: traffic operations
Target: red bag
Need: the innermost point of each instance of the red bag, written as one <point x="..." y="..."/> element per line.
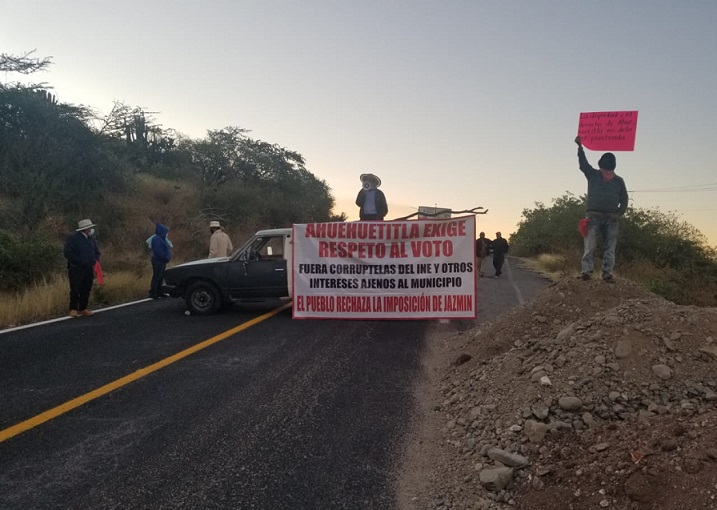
<point x="583" y="226"/>
<point x="98" y="273"/>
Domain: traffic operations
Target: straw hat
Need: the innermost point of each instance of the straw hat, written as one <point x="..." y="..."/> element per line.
<point x="84" y="224"/>
<point x="370" y="177"/>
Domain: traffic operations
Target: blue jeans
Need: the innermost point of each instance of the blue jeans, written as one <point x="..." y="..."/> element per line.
<point x="604" y="225"/>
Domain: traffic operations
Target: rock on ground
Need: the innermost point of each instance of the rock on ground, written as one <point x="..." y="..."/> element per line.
<point x="628" y="419"/>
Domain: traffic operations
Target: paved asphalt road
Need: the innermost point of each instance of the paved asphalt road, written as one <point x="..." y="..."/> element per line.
<point x="280" y="415"/>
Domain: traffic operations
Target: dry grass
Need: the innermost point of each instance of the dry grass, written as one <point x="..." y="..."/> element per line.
<point x="121" y="287"/>
<point x="154" y="201"/>
<point x="557" y="266"/>
<point x="42" y="301"/>
<point x="49" y="299"/>
<point x="676" y="287"/>
<point x="680" y="288"/>
<point x="125" y="256"/>
<point x="553" y="266"/>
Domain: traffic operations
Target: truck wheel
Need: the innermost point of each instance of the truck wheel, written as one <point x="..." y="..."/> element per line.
<point x="203" y="298"/>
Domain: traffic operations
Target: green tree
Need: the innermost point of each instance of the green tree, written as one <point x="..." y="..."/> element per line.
<point x="644" y="234"/>
<point x="672" y="255"/>
<point x="146" y="143"/>
<point x="663" y="239"/>
<point x="50" y="159"/>
<point x="550" y="229"/>
<point x="258" y="182"/>
<point x="25" y="260"/>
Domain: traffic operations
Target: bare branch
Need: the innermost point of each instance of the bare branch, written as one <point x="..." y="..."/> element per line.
<point x="23" y="64"/>
<point x="475" y="210"/>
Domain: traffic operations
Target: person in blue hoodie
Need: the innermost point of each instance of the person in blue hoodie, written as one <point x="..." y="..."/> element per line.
<point x="161" y="255"/>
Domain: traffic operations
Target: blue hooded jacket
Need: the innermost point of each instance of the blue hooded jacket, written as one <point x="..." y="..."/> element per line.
<point x="160" y="247"/>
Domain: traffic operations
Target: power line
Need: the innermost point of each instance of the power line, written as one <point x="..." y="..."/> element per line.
<point x="679" y="189"/>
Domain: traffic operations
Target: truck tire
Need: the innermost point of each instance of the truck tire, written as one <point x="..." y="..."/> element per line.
<point x="203" y="298"/>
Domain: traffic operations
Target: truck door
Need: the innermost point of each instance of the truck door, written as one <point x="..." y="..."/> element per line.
<point x="260" y="271"/>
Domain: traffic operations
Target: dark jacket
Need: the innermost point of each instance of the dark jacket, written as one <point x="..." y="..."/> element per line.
<point x="483" y="244"/>
<point x="160" y="247"/>
<point x="381" y="205"/>
<point x="81" y="251"/>
<point x="604" y="197"/>
<point x="500" y="246"/>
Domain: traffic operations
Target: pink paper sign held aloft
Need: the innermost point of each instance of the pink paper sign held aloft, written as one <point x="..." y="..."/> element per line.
<point x="608" y="131"/>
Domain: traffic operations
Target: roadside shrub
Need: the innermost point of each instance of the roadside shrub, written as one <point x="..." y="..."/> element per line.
<point x="549" y="229"/>
<point x="25" y="260"/>
<point x="668" y="256"/>
<point x="662" y="238"/>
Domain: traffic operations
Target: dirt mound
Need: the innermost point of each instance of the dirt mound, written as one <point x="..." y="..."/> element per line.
<point x="590" y="396"/>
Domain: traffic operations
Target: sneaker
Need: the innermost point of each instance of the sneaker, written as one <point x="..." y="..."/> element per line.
<point x="73" y="313"/>
<point x="86" y="312"/>
<point x="608" y="278"/>
<point x="585" y="277"/>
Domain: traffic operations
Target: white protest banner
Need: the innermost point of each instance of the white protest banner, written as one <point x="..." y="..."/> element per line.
<point x="421" y="269"/>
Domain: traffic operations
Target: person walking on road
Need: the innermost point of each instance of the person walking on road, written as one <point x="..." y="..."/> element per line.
<point x="606" y="202"/>
<point x="82" y="254"/>
<point x="161" y="255"/>
<point x="219" y="244"/>
<point x="482" y="251"/>
<point x="500" y="247"/>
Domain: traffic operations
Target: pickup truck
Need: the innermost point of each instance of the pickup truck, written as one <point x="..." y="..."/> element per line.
<point x="258" y="271"/>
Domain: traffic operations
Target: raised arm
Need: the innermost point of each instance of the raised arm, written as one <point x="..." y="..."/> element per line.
<point x="582" y="160"/>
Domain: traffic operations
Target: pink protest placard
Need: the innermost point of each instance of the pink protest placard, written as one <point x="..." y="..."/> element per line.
<point x="608" y="131"/>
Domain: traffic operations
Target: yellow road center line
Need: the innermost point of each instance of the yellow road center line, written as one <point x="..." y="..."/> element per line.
<point x="103" y="390"/>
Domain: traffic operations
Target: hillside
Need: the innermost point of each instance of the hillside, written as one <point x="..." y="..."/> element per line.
<point x="590" y="396"/>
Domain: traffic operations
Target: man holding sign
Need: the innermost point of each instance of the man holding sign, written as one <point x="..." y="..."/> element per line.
<point x="606" y="202"/>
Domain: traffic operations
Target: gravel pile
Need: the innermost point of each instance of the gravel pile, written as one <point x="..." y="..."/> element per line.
<point x="591" y="396"/>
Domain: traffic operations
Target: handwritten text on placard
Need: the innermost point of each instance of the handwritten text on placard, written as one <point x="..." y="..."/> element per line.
<point x="608" y="131"/>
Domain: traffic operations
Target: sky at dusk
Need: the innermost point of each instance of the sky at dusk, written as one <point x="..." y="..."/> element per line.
<point x="457" y="104"/>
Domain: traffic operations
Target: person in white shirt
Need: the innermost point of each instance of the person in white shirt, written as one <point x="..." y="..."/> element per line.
<point x="219" y="244"/>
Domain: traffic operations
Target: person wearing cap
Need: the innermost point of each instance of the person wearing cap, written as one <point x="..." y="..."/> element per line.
<point x="82" y="254"/>
<point x="371" y="200"/>
<point x="500" y="247"/>
<point x="482" y="250"/>
<point x="606" y="202"/>
<point x="219" y="244"/>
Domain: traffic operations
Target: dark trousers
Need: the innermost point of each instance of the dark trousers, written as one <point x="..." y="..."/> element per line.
<point x="155" y="288"/>
<point x="80" y="286"/>
<point x="498" y="259"/>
